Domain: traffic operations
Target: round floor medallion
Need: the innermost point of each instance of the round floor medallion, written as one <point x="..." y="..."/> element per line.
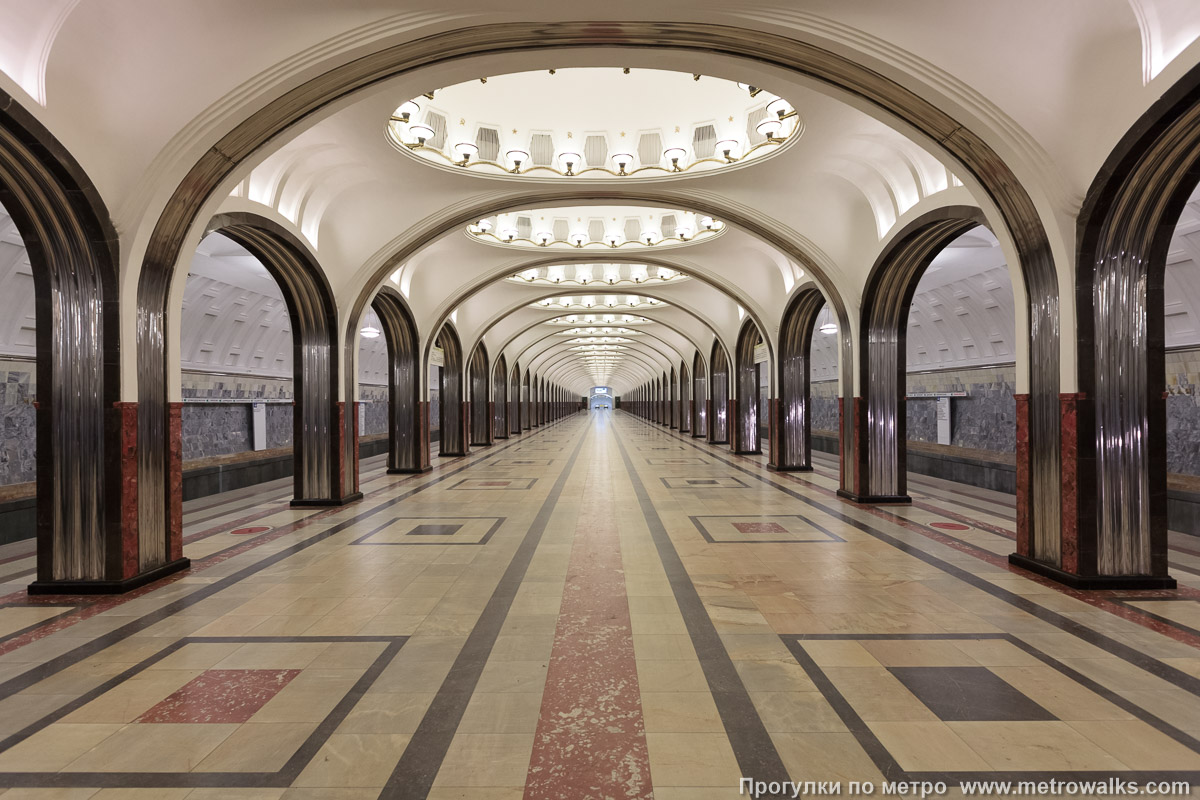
<point x="950" y="526"/>
<point x="248" y="531"/>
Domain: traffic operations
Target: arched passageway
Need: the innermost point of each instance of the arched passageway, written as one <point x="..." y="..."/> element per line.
<point x="718" y="389"/>
<point x="480" y="403"/>
<point x="701" y="403"/>
<point x="408" y="451"/>
<point x="324" y="455"/>
<point x="500" y="395"/>
<point x="792" y="448"/>
<point x="453" y="410"/>
<point x="745" y="405"/>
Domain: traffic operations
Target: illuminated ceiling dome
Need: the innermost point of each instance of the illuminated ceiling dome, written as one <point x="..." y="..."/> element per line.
<point x="600" y="228"/>
<point x="598" y="275"/>
<point x="599" y="302"/>
<point x="594" y="123"/>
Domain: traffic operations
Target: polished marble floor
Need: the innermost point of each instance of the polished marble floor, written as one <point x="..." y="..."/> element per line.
<point x="599" y="608"/>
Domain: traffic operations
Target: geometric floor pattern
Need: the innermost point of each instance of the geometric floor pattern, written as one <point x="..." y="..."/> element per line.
<point x="599" y="607"/>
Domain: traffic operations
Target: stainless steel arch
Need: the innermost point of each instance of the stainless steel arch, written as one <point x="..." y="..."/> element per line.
<point x="793" y="422"/>
<point x="745" y="431"/>
<point x="406" y="446"/>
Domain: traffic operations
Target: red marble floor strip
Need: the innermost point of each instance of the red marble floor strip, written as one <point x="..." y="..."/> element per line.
<point x="220" y="696"/>
<point x="591" y="739"/>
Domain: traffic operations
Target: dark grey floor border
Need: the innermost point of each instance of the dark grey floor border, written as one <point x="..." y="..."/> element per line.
<point x="891" y="769"/>
<point x="160" y="780"/>
<point x="55" y="665"/>
<point x="752" y="745"/>
<point x="1154" y="666"/>
<point x="414" y="774"/>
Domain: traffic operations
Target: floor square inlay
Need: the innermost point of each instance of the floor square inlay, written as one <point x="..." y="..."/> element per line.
<point x="759" y="527"/>
<point x="475" y="484"/>
<point x="969" y="694"/>
<point x="432" y="530"/>
<point x="221" y="696"/>
<point x="763" y="529"/>
<point x="720" y="482"/>
<point x="435" y="530"/>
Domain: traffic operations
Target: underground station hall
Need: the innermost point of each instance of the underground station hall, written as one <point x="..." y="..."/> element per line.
<point x="668" y="400"/>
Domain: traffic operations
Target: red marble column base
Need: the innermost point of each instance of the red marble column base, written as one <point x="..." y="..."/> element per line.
<point x="1078" y="532"/>
<point x="174" y="485"/>
<point x="1024" y="488"/>
<point x="121" y="521"/>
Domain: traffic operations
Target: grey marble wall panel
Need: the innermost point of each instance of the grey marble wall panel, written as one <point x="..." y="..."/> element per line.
<point x="18" y="444"/>
<point x="824" y="405"/>
<point x="18" y="431"/>
<point x="215" y="430"/>
<point x="279" y="425"/>
<point x="1183" y="412"/>
<point x="374" y="400"/>
<point x="986" y="419"/>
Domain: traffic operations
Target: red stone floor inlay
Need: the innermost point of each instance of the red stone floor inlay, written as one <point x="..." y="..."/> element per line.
<point x="221" y="696"/>
<point x="759" y="527"/>
<point x="950" y="526"/>
<point x="591" y="736"/>
<point x="248" y="531"/>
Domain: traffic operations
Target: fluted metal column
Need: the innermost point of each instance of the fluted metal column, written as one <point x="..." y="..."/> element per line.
<point x="795" y="347"/>
<point x="405" y="441"/>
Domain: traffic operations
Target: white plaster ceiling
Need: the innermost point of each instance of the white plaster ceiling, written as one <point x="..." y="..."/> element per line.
<point x="138" y="89"/>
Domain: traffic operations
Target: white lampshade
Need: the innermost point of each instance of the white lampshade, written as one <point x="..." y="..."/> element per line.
<point x="485" y="224"/>
<point x="544" y="237"/>
<point x="622" y="160"/>
<point x="508" y="234"/>
<point x="569" y="159"/>
<point x="465" y="150"/>
<point x="778" y="107"/>
<point x="517" y="156"/>
<point x="674" y="153"/>
<point x="407" y="110"/>
<point x="578" y="239"/>
<point x="769" y="127"/>
<point x="422" y="133"/>
<point x="728" y="147"/>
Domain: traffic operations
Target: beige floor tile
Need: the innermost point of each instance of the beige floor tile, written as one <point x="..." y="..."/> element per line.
<point x="838" y="653"/>
<point x="55" y="746"/>
<point x="663" y="647"/>
<point x="486" y="759"/>
<point x="127" y="701"/>
<point x="513" y="676"/>
<point x="671" y="676"/>
<point x="1034" y="746"/>
<point x="927" y="747"/>
<point x="354" y="760"/>
<point x="387" y="712"/>
<point x="825" y="757"/>
<point x="691" y="759"/>
<point x="774" y="676"/>
<point x="153" y="748"/>
<point x="680" y="712"/>
<point x="796" y="712"/>
<point x="502" y="712"/>
<point x="257" y="747"/>
<point x="1140" y="746"/>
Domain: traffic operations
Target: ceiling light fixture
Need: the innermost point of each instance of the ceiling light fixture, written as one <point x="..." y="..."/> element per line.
<point x="828" y="328"/>
<point x="465" y="150"/>
<point x="729" y="149"/>
<point x="369" y="332"/>
<point x="569" y="160"/>
<point x="768" y="128"/>
<point x="407" y="111"/>
<point x="422" y="134"/>
<point x="517" y="157"/>
<point x="674" y="154"/>
<point x="622" y="160"/>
